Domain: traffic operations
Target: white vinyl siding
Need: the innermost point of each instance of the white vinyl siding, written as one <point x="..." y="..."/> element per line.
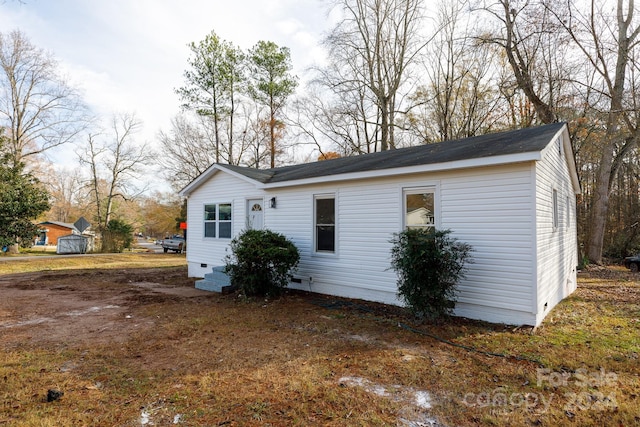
<point x="222" y="188"/>
<point x="504" y="212"/>
<point x="567" y="221"/>
<point x="364" y="229"/>
<point x="489" y="208"/>
<point x="492" y="210"/>
<point x="556" y="252"/>
<point x="555" y="211"/>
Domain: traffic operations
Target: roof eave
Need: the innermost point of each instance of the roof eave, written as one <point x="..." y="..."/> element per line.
<point x="571" y="161"/>
<point x="212" y="170"/>
<point x="407" y="170"/>
<point x="198" y="181"/>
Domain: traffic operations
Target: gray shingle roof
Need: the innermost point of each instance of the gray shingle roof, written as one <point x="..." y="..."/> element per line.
<point x="496" y="144"/>
<point x="60" y="224"/>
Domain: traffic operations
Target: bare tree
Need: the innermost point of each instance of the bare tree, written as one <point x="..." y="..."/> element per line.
<point x="38" y="107"/>
<point x="115" y="165"/>
<point x="342" y="109"/>
<point x="536" y="37"/>
<point x="608" y="39"/>
<point x="257" y="136"/>
<point x="158" y="212"/>
<point x="530" y="40"/>
<point x="188" y="149"/>
<point x="373" y="47"/>
<point x="458" y="99"/>
<point x="65" y="189"/>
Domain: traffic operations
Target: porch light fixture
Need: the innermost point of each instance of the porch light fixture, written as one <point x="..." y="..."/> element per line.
<point x="272" y="202"/>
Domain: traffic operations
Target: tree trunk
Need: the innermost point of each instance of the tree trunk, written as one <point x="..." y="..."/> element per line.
<point x="600" y="203"/>
<point x="216" y="132"/>
<point x="519" y="65"/>
<point x="384" y="125"/>
<point x="599" y="208"/>
<point x="231" y="114"/>
<point x="272" y="132"/>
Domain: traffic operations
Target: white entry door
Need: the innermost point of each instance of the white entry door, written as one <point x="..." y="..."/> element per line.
<point x="255" y="214"/>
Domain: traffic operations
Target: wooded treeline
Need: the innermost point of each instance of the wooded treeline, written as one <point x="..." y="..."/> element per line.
<point x="40" y="111"/>
<point x="398" y="73"/>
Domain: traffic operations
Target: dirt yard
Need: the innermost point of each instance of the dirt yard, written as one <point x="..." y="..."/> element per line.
<point x="153" y="327"/>
<point x="142" y="346"/>
<point x="85" y="307"/>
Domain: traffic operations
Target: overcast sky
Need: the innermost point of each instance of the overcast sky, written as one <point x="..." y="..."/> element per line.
<point x="130" y="55"/>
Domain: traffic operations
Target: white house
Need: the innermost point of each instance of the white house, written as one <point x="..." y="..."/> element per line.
<point x="510" y="195"/>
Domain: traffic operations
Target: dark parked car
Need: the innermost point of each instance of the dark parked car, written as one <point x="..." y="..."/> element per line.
<point x="632" y="262"/>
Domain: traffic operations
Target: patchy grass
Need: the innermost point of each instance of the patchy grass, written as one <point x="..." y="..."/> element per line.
<point x="22" y="264"/>
<point x="307" y="359"/>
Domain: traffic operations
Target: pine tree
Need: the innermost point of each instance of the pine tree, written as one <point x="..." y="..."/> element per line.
<point x="22" y="200"/>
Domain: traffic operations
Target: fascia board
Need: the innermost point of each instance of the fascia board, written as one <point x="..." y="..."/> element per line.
<point x="437" y="167"/>
<point x="206" y="175"/>
<point x="571" y="161"/>
<point x="240" y="176"/>
<point x="568" y="156"/>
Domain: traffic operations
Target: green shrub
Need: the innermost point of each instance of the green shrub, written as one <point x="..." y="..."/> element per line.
<point x="261" y="262"/>
<point x="429" y="264"/>
<point x="117" y="236"/>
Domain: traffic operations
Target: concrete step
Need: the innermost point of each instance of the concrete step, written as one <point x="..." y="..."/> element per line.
<point x="208" y="285"/>
<point x="216" y="281"/>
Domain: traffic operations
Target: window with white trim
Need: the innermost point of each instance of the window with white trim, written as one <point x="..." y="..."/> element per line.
<point x="325" y="223"/>
<point x="556" y="212"/>
<point x="568" y="215"/>
<point x="217" y="220"/>
<point x="420" y="208"/>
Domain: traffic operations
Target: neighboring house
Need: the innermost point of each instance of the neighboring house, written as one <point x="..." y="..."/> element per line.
<point x="50" y="231"/>
<point x="419" y="215"/>
<point x="510" y="195"/>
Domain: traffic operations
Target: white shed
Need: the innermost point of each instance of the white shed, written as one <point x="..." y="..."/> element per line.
<point x="511" y="195"/>
<point x="72" y="244"/>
